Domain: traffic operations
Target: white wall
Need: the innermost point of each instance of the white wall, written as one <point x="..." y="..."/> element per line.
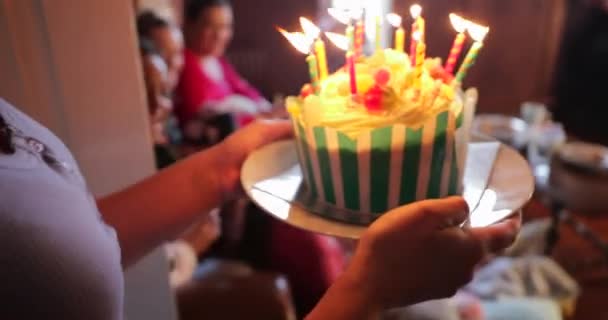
<point x="74" y="66"/>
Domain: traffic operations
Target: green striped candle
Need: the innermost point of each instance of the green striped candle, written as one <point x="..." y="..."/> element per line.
<point x="313" y="72"/>
<point x="469" y="61"/>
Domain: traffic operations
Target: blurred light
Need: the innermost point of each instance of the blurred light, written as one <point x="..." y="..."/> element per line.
<point x="310" y="29"/>
<point x="299" y="40"/>
<point x="415" y="10"/>
<point x="477" y="32"/>
<point x="394" y="19"/>
<point x="342" y="16"/>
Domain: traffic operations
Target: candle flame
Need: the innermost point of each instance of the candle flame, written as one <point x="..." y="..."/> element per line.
<point x="310" y="29"/>
<point x="417" y="35"/>
<point x="394" y="19"/>
<point x="342" y="16"/>
<point x="415" y="10"/>
<point x="459" y="23"/>
<point x="339" y="40"/>
<point x="299" y="40"/>
<point x="477" y="31"/>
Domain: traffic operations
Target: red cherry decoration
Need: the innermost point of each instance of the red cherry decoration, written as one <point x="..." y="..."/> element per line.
<point x="373" y="102"/>
<point x="376" y="89"/>
<point x="382" y="77"/>
<point x="306" y="90"/>
<point x="373" y="99"/>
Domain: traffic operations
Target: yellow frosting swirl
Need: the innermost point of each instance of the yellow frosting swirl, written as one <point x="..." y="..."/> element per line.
<point x="402" y="102"/>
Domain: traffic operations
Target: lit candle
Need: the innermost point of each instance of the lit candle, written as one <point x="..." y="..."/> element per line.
<point x="478" y="33"/>
<point x="378" y="33"/>
<point x="303" y="43"/>
<point x="313" y="32"/>
<point x="341" y="42"/>
<point x="350" y="61"/>
<point x="460" y="25"/>
<point x="420" y="56"/>
<point x="418" y="26"/>
<point x="345" y="17"/>
<point x="396" y="21"/>
<point x="359" y="38"/>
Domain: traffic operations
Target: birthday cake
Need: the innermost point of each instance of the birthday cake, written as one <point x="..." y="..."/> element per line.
<point x="383" y="131"/>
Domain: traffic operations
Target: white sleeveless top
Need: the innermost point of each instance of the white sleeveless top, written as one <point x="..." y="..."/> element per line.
<point x="58" y="259"/>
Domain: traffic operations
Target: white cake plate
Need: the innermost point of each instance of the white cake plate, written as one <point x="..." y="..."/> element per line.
<point x="497" y="184"/>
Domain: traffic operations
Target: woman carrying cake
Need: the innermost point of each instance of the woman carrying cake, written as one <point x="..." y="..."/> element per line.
<point x="63" y="251"/>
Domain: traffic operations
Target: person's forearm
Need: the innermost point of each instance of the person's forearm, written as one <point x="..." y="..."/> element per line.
<point x="161" y="207"/>
<point x="346" y="299"/>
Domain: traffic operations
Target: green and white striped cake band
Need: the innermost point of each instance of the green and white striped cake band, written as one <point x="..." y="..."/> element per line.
<point x="382" y="169"/>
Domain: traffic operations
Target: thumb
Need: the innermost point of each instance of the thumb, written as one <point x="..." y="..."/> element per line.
<point x="254" y="136"/>
<point x="432" y="214"/>
<point x="445" y="213"/>
<point x="271" y="130"/>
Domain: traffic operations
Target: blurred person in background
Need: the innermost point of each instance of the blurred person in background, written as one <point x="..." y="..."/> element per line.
<point x="161" y="50"/>
<point x="168" y="40"/>
<point x="579" y="98"/>
<point x="160" y="105"/>
<point x="209" y="86"/>
<point x="204" y="233"/>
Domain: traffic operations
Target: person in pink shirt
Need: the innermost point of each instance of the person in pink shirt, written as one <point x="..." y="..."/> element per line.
<point x="209" y="85"/>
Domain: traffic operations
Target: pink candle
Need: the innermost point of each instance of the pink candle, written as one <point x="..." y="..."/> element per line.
<point x="413" y="43"/>
<point x="342" y="42"/>
<point x="350" y="60"/>
<point x="460" y="26"/>
<point x="454" y="53"/>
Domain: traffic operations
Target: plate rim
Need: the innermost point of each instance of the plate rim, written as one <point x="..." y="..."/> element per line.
<point x="354" y="231"/>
